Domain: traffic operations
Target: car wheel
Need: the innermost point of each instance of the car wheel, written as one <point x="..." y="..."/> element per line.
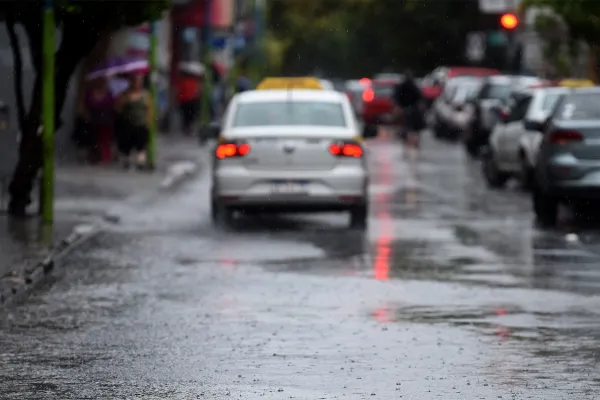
<point x="526" y="176"/>
<point x="358" y="217"/>
<point x="545" y="207"/>
<point x="495" y="178"/>
<point x="221" y="215"/>
<point x="472" y="147"/>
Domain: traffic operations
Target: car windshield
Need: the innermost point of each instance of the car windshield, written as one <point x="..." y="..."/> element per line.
<point x="549" y="101"/>
<point x="289" y="113"/>
<point x="582" y="106"/>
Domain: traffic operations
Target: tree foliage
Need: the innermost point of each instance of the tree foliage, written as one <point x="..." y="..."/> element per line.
<point x="355" y="37"/>
<point x="582" y="18"/>
<point x="82" y="23"/>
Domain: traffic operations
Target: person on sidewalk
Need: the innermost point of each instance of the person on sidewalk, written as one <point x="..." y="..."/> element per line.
<point x="408" y="100"/>
<point x="243" y="82"/>
<point x="188" y="95"/>
<point x="134" y="107"/>
<point x="99" y="104"/>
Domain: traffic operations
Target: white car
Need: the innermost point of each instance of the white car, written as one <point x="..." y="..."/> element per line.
<point x="514" y="143"/>
<point x="293" y="150"/>
<point x="327" y="84"/>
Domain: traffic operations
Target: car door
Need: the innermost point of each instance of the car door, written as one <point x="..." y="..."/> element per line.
<point x="515" y="129"/>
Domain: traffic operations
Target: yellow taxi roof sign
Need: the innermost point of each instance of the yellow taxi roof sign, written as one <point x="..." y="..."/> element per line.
<point x="290" y="83"/>
<point x="576" y="83"/>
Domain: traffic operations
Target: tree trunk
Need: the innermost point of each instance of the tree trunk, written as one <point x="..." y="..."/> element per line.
<point x="593" y="60"/>
<point x="77" y="40"/>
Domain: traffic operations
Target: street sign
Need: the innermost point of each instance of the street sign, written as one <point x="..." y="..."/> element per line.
<point x="476" y="46"/>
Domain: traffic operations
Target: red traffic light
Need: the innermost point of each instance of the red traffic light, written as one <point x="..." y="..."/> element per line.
<point x="509" y="21"/>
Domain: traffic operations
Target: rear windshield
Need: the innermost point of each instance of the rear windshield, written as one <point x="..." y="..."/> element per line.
<point x="495" y="91"/>
<point x="583" y="106"/>
<point x="550" y="101"/>
<point x="383" y="91"/>
<point x="289" y="113"/>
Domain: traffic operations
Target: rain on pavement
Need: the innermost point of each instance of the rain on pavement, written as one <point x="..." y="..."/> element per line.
<point x="452" y="294"/>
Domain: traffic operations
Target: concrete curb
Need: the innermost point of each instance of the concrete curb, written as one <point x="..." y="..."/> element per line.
<point x="16" y="288"/>
<point x="19" y="286"/>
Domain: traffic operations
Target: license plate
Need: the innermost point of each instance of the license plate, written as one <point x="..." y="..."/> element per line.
<point x="288" y="188"/>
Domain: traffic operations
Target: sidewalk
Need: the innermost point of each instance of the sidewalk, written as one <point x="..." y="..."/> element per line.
<point x="83" y="196"/>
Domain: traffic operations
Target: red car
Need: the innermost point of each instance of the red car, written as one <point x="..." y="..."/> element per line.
<point x="433" y="83"/>
<point x="377" y="104"/>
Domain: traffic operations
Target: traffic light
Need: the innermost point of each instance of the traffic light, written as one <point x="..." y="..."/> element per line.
<point x="509" y="21"/>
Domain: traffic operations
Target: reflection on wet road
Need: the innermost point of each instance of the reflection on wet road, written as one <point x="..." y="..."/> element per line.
<point x="451" y="294"/>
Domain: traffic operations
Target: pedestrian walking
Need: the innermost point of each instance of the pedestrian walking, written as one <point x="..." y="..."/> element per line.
<point x="99" y="105"/>
<point x="134" y="108"/>
<point x="189" y="87"/>
<point x="408" y="100"/>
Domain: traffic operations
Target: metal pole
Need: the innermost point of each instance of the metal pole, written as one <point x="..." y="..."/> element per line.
<point x="152" y="142"/>
<point x="49" y="45"/>
<point x="206" y="60"/>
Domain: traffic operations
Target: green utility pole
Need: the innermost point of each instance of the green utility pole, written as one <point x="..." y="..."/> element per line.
<point x="153" y="96"/>
<point x="206" y="60"/>
<point x="47" y="184"/>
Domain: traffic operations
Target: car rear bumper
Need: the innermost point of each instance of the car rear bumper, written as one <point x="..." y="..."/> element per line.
<point x="339" y="188"/>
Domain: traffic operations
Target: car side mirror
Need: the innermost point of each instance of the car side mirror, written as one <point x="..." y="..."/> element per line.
<point x="535" y="126"/>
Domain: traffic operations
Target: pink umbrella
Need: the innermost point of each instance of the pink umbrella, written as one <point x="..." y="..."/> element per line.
<point x="119" y="66"/>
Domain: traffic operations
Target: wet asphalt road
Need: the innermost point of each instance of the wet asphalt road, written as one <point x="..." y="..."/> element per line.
<point x="451" y="294"/>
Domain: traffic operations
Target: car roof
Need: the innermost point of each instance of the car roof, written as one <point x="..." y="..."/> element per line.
<point x="590" y="89"/>
<point x="258" y="96"/>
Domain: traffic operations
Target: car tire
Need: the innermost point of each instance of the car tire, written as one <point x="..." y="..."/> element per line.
<point x="495" y="178"/>
<point x="526" y="175"/>
<point x="359" y="217"/>
<point x="472" y="148"/>
<point x="545" y="206"/>
<point x="221" y="215"/>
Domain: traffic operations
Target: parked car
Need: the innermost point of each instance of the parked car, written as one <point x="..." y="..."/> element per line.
<point x="453" y="99"/>
<point x="494" y="94"/>
<point x="378" y="104"/>
<point x="568" y="163"/>
<point x="514" y="140"/>
<point x="432" y="85"/>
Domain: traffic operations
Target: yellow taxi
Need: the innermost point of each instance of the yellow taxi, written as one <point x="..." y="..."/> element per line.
<point x="282" y="83"/>
<point x="574" y="83"/>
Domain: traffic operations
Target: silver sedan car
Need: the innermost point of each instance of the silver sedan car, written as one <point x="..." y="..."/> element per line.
<point x="289" y="151"/>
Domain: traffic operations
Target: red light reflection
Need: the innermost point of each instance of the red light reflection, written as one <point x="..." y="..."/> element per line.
<point x="383" y="244"/>
<point x="503" y="332"/>
<point x="382" y="315"/>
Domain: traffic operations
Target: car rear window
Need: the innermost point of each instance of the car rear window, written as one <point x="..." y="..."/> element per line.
<point x="495" y="91"/>
<point x="582" y="106"/>
<point x="550" y="101"/>
<point x="289" y="113"/>
<point x="383" y="91"/>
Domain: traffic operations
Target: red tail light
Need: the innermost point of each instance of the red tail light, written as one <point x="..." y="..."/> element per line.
<point x="227" y="150"/>
<point x="368" y="95"/>
<point x="346" y="150"/>
<point x="564" y="137"/>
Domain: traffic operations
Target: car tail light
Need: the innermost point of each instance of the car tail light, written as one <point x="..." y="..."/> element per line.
<point x="228" y="150"/>
<point x="368" y="95"/>
<point x="564" y="137"/>
<point x="346" y="149"/>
